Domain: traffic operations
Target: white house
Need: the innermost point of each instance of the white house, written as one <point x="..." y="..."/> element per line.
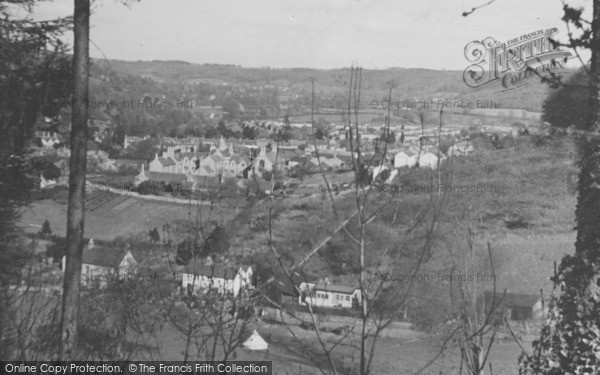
<point x="430" y="159"/>
<point x="102" y="265"/>
<point x="330" y="295"/>
<point x="403" y="159"/>
<point x="198" y="277"/>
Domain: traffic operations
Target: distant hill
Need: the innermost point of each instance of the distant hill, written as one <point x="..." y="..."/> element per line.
<point x="413" y="84"/>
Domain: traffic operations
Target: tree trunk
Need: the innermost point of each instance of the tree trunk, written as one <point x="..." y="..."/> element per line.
<point x="588" y="202"/>
<point x="75" y="215"/>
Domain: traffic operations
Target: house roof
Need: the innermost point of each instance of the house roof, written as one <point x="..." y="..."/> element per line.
<point x="284" y="284"/>
<point x="215" y="270"/>
<point x="166" y="177"/>
<point x="298" y="159"/>
<point x="205" y="181"/>
<point x="272" y="156"/>
<point x="335" y="288"/>
<point x="165" y="162"/>
<point x="512" y="299"/>
<point x="334" y="162"/>
<point x="103" y="256"/>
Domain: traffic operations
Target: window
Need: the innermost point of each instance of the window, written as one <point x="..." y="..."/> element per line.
<point x="347" y="298"/>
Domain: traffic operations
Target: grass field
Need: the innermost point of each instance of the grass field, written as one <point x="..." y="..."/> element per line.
<point x="109" y="215"/>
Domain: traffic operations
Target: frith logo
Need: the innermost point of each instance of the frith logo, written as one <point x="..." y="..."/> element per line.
<point x="515" y="62"/>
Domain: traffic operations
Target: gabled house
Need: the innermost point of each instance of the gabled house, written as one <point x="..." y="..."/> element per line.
<point x="403" y="159"/>
<point x="162" y="164"/>
<point x="431" y="159"/>
<point x="199" y="277"/>
<point x="103" y="265"/>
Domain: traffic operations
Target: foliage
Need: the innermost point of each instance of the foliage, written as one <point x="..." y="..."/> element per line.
<point x="319" y="133"/>
<point x="154" y="235"/>
<point x="217" y="242"/>
<point x="569" y="342"/>
<point x="568" y="105"/>
<point x="56" y="249"/>
<point x="187" y="250"/>
<point x="45" y="230"/>
<point x="143" y="150"/>
<point x="45" y="167"/>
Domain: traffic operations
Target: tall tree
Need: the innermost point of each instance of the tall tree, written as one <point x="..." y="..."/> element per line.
<point x="34" y="81"/>
<point x="76" y="209"/>
<point x="570" y="340"/>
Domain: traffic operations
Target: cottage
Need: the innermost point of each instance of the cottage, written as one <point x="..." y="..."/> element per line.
<point x="225" y="279"/>
<point x="101" y="265"/>
<point x="403" y="159"/>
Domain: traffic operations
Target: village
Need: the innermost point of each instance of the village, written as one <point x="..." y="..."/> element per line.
<point x="182" y="169"/>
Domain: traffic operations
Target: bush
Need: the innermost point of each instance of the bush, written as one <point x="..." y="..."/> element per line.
<point x="46" y="228"/>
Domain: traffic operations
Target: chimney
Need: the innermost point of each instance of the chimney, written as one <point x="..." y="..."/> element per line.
<point x="91" y="243"/>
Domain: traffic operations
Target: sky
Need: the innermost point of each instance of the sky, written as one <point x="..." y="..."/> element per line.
<point x="325" y="34"/>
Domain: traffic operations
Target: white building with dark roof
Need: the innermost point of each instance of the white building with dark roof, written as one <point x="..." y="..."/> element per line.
<point x="331" y="295"/>
<point x="102" y="265"/>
